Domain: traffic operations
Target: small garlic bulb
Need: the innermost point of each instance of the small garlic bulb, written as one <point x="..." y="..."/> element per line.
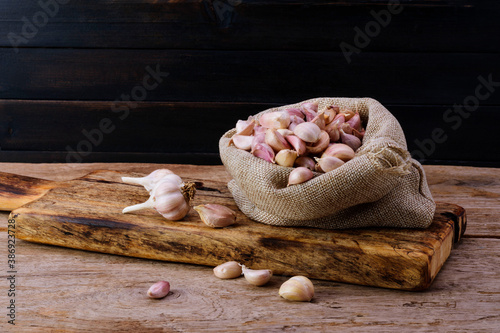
<point x="257" y="277"/>
<point x="228" y="270"/>
<point x="169" y="198"/>
<point x="298" y="288"/>
<point x="150" y="180"/>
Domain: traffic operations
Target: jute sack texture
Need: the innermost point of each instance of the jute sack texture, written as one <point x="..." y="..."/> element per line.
<point x="382" y="186"/>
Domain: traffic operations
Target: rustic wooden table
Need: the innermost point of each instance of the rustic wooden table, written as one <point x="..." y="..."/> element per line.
<point x="64" y="290"/>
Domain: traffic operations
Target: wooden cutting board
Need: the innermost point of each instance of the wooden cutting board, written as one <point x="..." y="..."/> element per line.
<point x="85" y="214"/>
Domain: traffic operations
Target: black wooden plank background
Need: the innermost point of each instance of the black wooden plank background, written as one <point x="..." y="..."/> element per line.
<point x="67" y="66"/>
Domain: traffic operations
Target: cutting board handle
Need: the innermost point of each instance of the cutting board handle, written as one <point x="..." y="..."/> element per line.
<point x="17" y="190"/>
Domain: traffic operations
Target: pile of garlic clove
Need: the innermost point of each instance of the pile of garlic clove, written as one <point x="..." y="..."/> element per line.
<point x="304" y="137"/>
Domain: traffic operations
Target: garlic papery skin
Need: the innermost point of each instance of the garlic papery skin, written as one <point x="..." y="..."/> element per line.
<point x="276" y="141"/>
<point x="298" y="288"/>
<point x="257" y="277"/>
<point x="276" y="120"/>
<point x="150" y="180"/>
<point x="328" y="163"/>
<point x="307" y="131"/>
<point x="298" y="144"/>
<point x="340" y="150"/>
<point x="256" y="139"/>
<point x="243" y="142"/>
<point x="299" y="175"/>
<point x="169" y="198"/>
<point x="215" y="215"/>
<point x="228" y="270"/>
<point x="286" y="157"/>
<point x="306" y="162"/>
<point x="351" y="140"/>
<point x="320" y="145"/>
<point x="264" y="151"/>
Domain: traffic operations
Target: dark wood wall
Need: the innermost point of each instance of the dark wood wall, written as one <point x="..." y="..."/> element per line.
<point x="161" y="81"/>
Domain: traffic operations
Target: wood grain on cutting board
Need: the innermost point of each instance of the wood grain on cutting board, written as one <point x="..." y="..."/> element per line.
<point x="86" y="214"/>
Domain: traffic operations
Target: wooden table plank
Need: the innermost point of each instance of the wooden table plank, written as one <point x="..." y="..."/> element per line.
<point x="78" y="291"/>
<point x="73" y="289"/>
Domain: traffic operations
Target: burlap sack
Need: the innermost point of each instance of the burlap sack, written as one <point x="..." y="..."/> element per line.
<point x="381" y="186"/>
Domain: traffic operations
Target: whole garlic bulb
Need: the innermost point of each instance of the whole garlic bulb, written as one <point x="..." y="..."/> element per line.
<point x="169" y="197"/>
<point x="150" y="180"/>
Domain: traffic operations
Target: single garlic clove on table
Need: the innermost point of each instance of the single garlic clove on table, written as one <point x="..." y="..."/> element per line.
<point x="216" y="216"/>
<point x="257" y="277"/>
<point x="159" y="290"/>
<point x="298" y="288"/>
<point x="228" y="270"/>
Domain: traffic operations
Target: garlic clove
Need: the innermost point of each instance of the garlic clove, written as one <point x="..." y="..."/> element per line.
<point x="245" y="127"/>
<point x="299" y="175"/>
<point x="275" y="140"/>
<point x="355" y="122"/>
<point x="331" y="112"/>
<point x="339" y="150"/>
<point x="257" y="277"/>
<point x="351" y="140"/>
<point x="264" y="151"/>
<point x="310" y="114"/>
<point x="259" y="129"/>
<point x="320" y="145"/>
<point x="328" y="163"/>
<point x="333" y="131"/>
<point x="276" y="119"/>
<point x="228" y="270"/>
<point x="256" y="139"/>
<point x="243" y="142"/>
<point x="285" y="131"/>
<point x="286" y="157"/>
<point x="294" y="112"/>
<point x="298" y="144"/>
<point x="159" y="290"/>
<point x="348" y="114"/>
<point x="319" y="120"/>
<point x="339" y="119"/>
<point x="216" y="216"/>
<point x="150" y="180"/>
<point x="298" y="288"/>
<point x="313" y="106"/>
<point x="346" y="127"/>
<point x="306" y="162"/>
<point x="307" y="131"/>
<point x="294" y="121"/>
<point x="359" y="134"/>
